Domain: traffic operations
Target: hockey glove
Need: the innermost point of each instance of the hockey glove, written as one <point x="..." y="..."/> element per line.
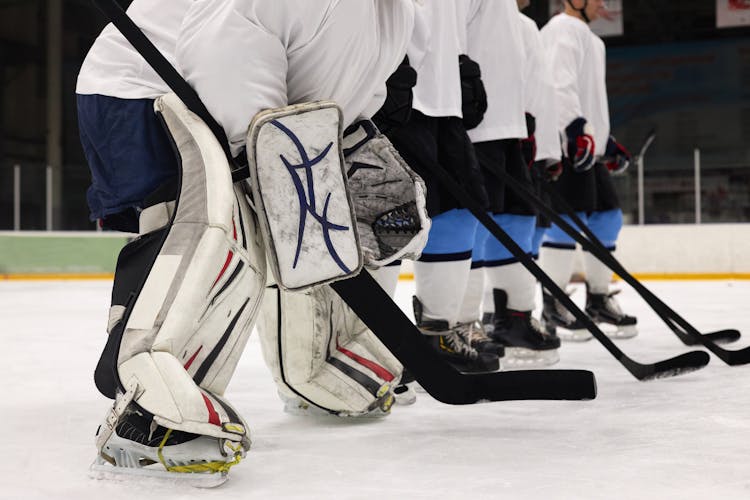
<point x="528" y="145"/>
<point x="616" y="157"/>
<point x="396" y="109"/>
<point x="473" y="95"/>
<point x="580" y="148"/>
<point x="550" y="171"/>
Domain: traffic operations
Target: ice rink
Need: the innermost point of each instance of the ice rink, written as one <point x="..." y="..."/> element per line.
<point x="686" y="437"/>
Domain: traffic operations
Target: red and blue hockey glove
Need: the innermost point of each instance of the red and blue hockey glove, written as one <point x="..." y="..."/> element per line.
<point x="581" y="146"/>
<point x="616" y="157"/>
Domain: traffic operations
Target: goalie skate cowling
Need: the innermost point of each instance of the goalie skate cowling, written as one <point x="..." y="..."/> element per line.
<point x="438" y="378"/>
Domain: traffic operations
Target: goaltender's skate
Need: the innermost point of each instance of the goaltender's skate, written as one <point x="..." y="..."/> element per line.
<point x="137" y="447"/>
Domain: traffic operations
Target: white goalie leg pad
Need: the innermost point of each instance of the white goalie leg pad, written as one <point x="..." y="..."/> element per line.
<point x="300" y="193"/>
<point x="319" y="351"/>
<point x="389" y="197"/>
<point x="191" y="320"/>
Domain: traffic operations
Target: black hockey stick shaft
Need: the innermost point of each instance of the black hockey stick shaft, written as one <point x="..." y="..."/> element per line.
<point x="596" y="248"/>
<point x="372" y="304"/>
<point x="674" y="366"/>
<point x="690" y="335"/>
<point x="375" y="307"/>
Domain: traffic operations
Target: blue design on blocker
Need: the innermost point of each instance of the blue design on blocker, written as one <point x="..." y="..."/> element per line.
<point x="308" y="206"/>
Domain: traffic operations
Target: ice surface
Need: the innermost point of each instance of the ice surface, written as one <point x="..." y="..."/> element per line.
<point x="684" y="438"/>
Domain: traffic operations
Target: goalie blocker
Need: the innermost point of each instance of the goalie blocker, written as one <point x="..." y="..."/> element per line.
<point x="323" y="358"/>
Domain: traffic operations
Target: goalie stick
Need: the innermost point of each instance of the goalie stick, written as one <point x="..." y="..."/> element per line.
<point x="684" y="363"/>
<point x="376" y="309"/>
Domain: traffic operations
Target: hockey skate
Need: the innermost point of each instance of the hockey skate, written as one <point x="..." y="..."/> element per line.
<point x="526" y="344"/>
<point x="454" y="344"/>
<point x="605" y="311"/>
<point x="139" y="448"/>
<point x="557" y="320"/>
<point x="479" y="339"/>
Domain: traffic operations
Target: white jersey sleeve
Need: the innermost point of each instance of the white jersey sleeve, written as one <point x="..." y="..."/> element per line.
<point x="433" y="52"/>
<point x="495" y="42"/>
<point x="540" y="92"/>
<point x="243" y="56"/>
<point x="114" y="68"/>
<point x="578" y="69"/>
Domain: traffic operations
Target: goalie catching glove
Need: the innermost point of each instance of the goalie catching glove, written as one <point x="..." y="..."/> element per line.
<point x="388" y="196"/>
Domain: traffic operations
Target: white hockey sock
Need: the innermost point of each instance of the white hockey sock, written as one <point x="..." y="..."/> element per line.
<point x="471" y="308"/>
<point x="440" y="286"/>
<point x="518" y="283"/>
<point x="488" y="304"/>
<point x="558" y="264"/>
<point x="387" y="278"/>
<point x="598" y="276"/>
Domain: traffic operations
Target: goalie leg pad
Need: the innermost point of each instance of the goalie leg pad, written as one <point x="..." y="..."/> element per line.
<point x="319" y="351"/>
<point x="389" y="197"/>
<point x="300" y="193"/>
<point x="181" y="334"/>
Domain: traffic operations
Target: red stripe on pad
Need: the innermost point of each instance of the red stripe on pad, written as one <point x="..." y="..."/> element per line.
<point x="192" y="358"/>
<point x="223" y="269"/>
<point x="376" y="368"/>
<point x="213" y="417"/>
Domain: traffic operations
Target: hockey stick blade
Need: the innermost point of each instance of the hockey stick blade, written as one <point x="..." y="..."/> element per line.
<point x="679" y="325"/>
<point x="435" y="375"/>
<point x="638" y="370"/>
<point x="679" y="365"/>
<point x="717" y="337"/>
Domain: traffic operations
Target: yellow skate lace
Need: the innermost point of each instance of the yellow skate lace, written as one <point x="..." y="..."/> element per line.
<point x="205" y="467"/>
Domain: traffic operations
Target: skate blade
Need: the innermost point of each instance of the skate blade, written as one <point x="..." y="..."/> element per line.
<point x="619" y="332"/>
<point x="522" y="358"/>
<point x="103" y="470"/>
<point x="574" y="335"/>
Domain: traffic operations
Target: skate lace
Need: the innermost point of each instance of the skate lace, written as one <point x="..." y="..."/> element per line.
<point x="564" y="313"/>
<point x="612" y="305"/>
<point x="204" y="467"/>
<point x="537" y="327"/>
<point x="459" y="340"/>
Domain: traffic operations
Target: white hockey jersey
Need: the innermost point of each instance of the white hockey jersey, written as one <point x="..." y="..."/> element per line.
<point x="494" y="41"/>
<point x="578" y="59"/>
<point x="243" y="56"/>
<point x="113" y="67"/>
<point x="540" y="92"/>
<point x="433" y="52"/>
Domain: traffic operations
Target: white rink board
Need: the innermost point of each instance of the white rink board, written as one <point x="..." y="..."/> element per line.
<point x="681" y="438"/>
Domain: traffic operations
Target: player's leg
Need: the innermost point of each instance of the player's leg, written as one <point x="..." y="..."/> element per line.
<point x="605" y="223"/>
<point x="185" y="297"/>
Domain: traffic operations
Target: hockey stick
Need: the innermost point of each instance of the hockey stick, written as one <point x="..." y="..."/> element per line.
<point x="678" y="365"/>
<point x="373" y="305"/>
<point x="592" y="245"/>
<point x="686" y="332"/>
